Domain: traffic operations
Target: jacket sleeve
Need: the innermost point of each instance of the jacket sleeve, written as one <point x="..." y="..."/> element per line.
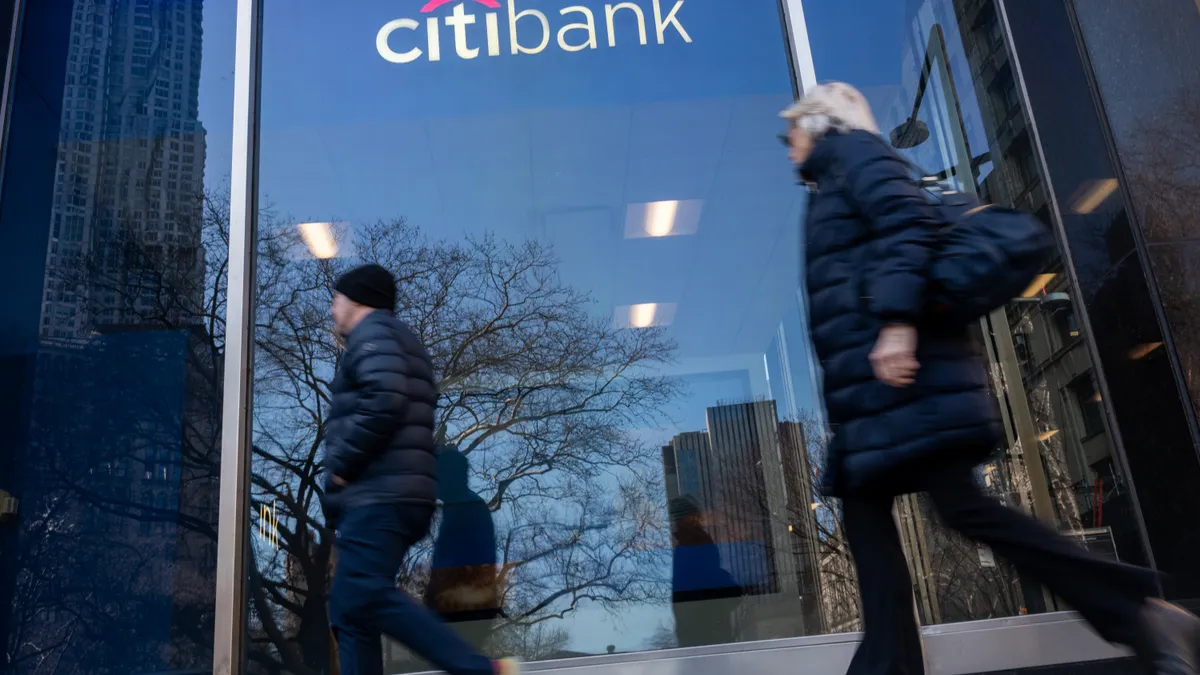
<point x="379" y="372"/>
<point x="905" y="225"/>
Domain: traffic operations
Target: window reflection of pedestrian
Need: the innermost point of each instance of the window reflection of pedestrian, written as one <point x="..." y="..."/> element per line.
<point x="910" y="403"/>
<point x="703" y="593"/>
<point x="463" y="586"/>
<point x="380" y="483"/>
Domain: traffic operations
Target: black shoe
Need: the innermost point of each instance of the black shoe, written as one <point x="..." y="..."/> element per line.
<point x="1172" y="640"/>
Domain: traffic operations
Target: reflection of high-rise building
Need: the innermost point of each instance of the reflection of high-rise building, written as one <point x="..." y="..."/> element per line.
<point x="127" y="480"/>
<point x="118" y="442"/>
<point x="130" y="169"/>
<point x="750" y="475"/>
<point x="686" y="467"/>
<point x="744" y="445"/>
<point x="670" y="473"/>
<point x="799" y="480"/>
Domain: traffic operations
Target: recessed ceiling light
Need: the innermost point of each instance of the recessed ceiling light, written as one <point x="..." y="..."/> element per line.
<point x="644" y="315"/>
<point x="1143" y="350"/>
<point x="1094" y="193"/>
<point x="666" y="218"/>
<point x="319" y="239"/>
<point x="1039" y="284"/>
<point x="660" y="218"/>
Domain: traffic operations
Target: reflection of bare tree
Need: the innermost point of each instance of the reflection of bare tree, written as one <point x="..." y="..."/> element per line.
<point x="810" y="563"/>
<point x="954" y="579"/>
<point x="1052" y="454"/>
<point x="840" y="603"/>
<point x="536" y="391"/>
<point x="1162" y="162"/>
<point x="535" y="643"/>
<point x="118" y="533"/>
<point x="1164" y="170"/>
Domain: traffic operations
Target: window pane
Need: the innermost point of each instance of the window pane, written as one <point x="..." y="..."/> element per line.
<point x="1153" y="113"/>
<point x="943" y="87"/>
<point x="111" y="336"/>
<point x="596" y="234"/>
<point x="1159" y="155"/>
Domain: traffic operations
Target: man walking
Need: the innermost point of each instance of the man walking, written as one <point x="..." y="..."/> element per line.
<point x="381" y="483"/>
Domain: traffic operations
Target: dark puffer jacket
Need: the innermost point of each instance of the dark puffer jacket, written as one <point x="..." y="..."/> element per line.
<point x="870" y="240"/>
<point x="380" y="427"/>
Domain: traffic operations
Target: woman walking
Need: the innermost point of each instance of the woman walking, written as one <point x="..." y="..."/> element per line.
<point x="909" y="404"/>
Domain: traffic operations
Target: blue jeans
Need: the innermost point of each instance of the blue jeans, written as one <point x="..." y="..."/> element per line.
<point x="364" y="602"/>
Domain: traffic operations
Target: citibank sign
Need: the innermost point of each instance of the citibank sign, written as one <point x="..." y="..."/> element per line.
<point x="530" y="31"/>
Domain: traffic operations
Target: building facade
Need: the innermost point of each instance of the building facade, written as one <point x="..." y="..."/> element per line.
<point x="598" y="237"/>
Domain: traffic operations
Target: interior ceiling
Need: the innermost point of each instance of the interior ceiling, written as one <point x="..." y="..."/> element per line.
<point x="566" y="176"/>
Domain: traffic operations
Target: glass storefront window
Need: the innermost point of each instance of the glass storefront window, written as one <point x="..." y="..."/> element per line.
<point x="596" y="234"/>
<point x="598" y="239"/>
<point x="111" y="335"/>
<point x="944" y="89"/>
<point x="1153" y="111"/>
<point x="1151" y="106"/>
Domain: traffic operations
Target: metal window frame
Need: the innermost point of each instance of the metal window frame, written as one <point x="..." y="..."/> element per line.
<point x="956" y="649"/>
<point x="9" y="79"/>
<point x="1081" y="310"/>
<point x="233" y="533"/>
<point x="1137" y="229"/>
<point x="803" y="69"/>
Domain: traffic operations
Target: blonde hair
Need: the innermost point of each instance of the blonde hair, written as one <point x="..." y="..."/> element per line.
<point x="834" y="106"/>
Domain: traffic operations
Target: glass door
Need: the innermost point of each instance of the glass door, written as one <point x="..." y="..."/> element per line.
<point x="943" y="88"/>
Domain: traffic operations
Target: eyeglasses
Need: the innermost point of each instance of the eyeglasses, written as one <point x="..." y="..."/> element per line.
<point x="785" y="139"/>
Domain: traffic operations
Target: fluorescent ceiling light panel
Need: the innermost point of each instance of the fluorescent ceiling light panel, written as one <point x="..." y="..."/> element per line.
<point x="1092" y="194"/>
<point x="1143" y="350"/>
<point x="1039" y="284"/>
<point x="666" y="218"/>
<point x="644" y="315"/>
<point x="319" y="239"/>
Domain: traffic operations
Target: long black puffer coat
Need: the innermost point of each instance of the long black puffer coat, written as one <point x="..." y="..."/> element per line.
<point x="380" y="426"/>
<point x="870" y="238"/>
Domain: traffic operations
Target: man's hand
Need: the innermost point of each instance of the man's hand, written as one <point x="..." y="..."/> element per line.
<point x="894" y="358"/>
<point x="338" y="481"/>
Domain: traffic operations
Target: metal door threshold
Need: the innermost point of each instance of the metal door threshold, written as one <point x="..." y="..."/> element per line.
<point x="951" y="649"/>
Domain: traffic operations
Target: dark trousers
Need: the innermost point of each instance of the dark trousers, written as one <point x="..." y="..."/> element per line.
<point x="364" y="602"/>
<point x="1108" y="594"/>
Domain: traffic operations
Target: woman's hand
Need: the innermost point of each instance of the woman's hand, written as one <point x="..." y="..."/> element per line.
<point x="894" y="358"/>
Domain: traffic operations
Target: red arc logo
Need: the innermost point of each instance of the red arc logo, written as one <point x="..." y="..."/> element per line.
<point x="434" y="4"/>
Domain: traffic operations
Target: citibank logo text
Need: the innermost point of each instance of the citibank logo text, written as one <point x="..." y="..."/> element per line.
<point x="530" y="31"/>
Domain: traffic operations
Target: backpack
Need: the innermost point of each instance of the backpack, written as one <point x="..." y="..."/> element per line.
<point x="987" y="256"/>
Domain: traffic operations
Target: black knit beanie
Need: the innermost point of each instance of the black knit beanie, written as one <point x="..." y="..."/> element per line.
<point x="369" y="285"/>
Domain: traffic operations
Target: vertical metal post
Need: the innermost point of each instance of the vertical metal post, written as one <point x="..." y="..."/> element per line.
<point x="234" y="522"/>
<point x="9" y="76"/>
<point x="802" y="60"/>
